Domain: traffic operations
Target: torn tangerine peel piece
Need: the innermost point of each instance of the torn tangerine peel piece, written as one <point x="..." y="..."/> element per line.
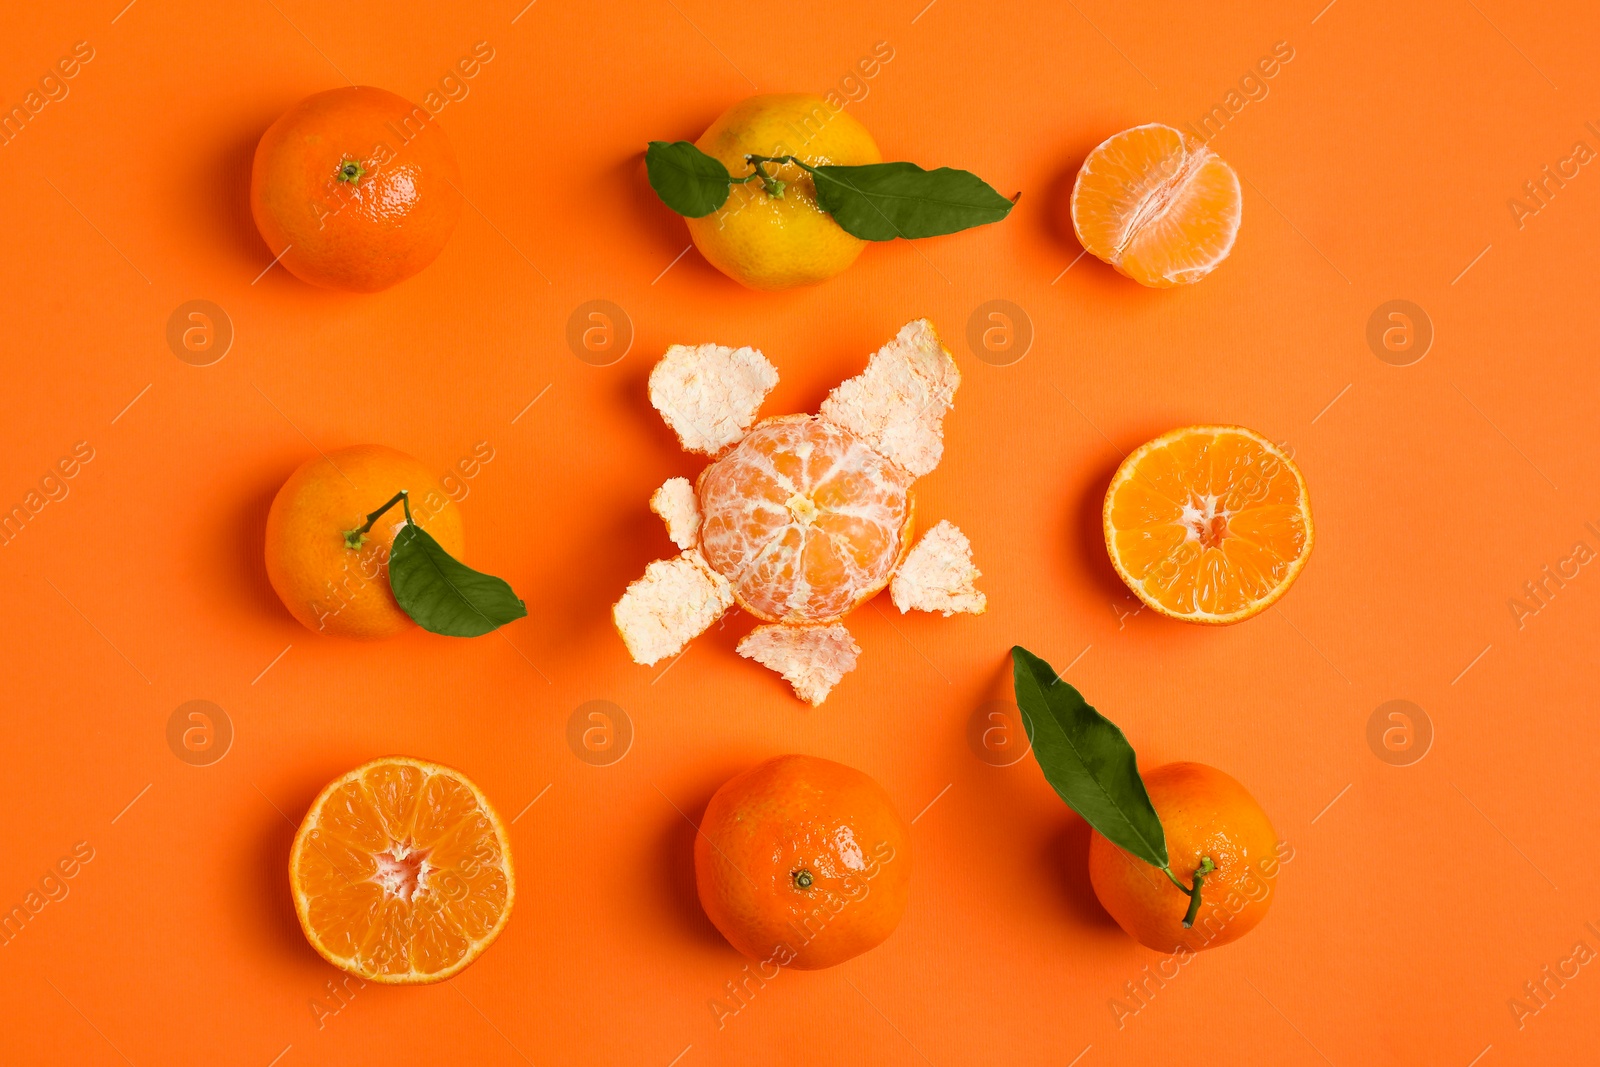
<point x="709" y="394"/>
<point x="897" y="405"/>
<point x="938" y="575"/>
<point x="678" y="507"/>
<point x="675" y="602"/>
<point x="812" y="659"/>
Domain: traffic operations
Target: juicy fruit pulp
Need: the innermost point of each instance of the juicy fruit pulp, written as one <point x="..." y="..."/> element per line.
<point x="768" y="242"/>
<point x="330" y="587"/>
<point x="401" y="872"/>
<point x="355" y="189"/>
<point x="1208" y="523"/>
<point x="803" y="862"/>
<point x="1204" y="813"/>
<point x="1159" y="210"/>
<point x="804" y="519"/>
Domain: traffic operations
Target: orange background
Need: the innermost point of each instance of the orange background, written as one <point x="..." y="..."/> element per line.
<point x="1419" y="899"/>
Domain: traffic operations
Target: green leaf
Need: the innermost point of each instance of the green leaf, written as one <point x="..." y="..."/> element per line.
<point x="882" y="201"/>
<point x="1087" y="760"/>
<point x="686" y="179"/>
<point x="443" y="594"/>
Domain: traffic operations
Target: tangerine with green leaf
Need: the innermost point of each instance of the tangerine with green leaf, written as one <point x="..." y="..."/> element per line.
<point x="803" y="862"/>
<point x="768" y="241"/>
<point x="1183" y="858"/>
<point x="336" y="581"/>
<point x="783" y="190"/>
<point x="1208" y="818"/>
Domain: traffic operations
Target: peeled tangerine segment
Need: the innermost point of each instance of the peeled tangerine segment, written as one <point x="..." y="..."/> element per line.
<point x="803" y="519"/>
<point x="1159" y="209"/>
<point x="709" y="394"/>
<point x="401" y="872"/>
<point x="938" y="575"/>
<point x="675" y="601"/>
<point x="812" y="659"/>
<point x="897" y="405"/>
<point x="1208" y="523"/>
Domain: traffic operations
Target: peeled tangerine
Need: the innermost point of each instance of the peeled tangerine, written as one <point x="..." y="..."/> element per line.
<point x="799" y="519"/>
<point x="1159" y="209"/>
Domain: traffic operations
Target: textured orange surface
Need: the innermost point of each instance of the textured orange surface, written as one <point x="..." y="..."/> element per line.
<point x="1457" y="507"/>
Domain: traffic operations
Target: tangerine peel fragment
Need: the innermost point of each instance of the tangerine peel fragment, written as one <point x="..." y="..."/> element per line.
<point x="938" y="575"/>
<point x="812" y="659"/>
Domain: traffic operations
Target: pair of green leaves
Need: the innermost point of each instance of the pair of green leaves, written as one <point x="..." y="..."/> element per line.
<point x="875" y="202"/>
<point x="439" y="592"/>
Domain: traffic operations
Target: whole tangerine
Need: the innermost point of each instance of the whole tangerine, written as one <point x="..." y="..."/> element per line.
<point x="1204" y="814"/>
<point x="802" y="862"/>
<point x="355" y="188"/>
<point x="337" y="583"/>
<point x="779" y="242"/>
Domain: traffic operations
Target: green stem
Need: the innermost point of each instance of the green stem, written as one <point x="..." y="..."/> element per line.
<point x="772" y="185"/>
<point x="1200" y="872"/>
<point x="354" y="539"/>
<point x="351" y="171"/>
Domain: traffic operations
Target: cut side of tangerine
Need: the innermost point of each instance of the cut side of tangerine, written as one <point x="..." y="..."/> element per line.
<point x="401" y="872"/>
<point x="804" y="519"/>
<point x="1208" y="524"/>
<point x="1159" y="209"/>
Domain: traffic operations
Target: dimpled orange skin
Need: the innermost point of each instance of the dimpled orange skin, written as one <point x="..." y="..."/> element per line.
<point x="793" y="814"/>
<point x="331" y="588"/>
<point x="366" y="235"/>
<point x="1204" y="812"/>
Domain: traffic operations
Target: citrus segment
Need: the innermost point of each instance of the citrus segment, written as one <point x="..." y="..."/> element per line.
<point x="401" y="872"/>
<point x="1161" y="211"/>
<point x="938" y="575"/>
<point x="804" y="519"/>
<point x="812" y="659"/>
<point x="1208" y="523"/>
<point x="897" y="405"/>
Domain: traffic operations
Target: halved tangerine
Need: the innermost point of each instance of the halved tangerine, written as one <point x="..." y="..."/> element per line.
<point x="804" y="519"/>
<point x="401" y="872"/>
<point x="1208" y="524"/>
<point x="1157" y="208"/>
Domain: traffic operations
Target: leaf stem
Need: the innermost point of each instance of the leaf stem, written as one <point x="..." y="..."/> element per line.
<point x="354" y="539"/>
